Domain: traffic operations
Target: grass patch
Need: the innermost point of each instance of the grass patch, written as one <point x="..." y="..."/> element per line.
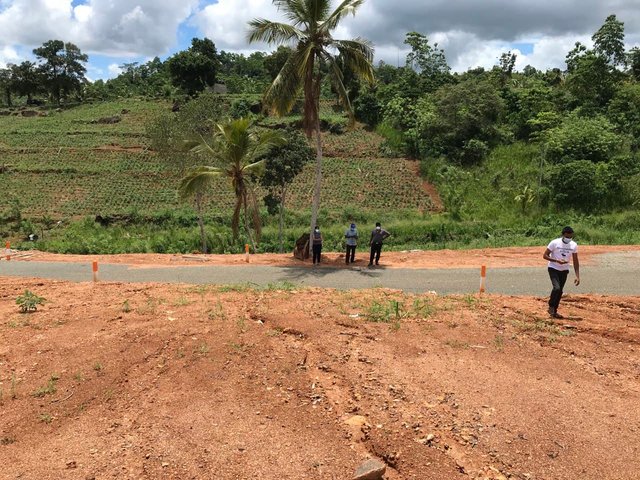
<point x="49" y="389"/>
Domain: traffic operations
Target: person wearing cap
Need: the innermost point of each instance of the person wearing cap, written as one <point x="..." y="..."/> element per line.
<point x="352" y="241"/>
<point x="560" y="253"/>
<point x="316" y="245"/>
<point x="375" y="242"/>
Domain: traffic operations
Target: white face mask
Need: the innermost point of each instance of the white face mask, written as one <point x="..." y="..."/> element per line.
<point x="317" y="230"/>
<point x="378" y="228"/>
<point x="566" y="240"/>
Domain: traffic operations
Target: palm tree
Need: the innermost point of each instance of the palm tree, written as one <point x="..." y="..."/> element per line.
<point x="312" y="22"/>
<point x="237" y="151"/>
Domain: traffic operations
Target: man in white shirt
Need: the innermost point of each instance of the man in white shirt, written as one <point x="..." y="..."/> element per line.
<point x="560" y="253"/>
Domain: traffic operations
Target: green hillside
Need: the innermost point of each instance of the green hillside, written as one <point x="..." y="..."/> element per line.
<point x="64" y="166"/>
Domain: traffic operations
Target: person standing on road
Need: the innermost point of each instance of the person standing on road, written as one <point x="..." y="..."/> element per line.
<point x="560" y="253"/>
<point x="352" y="241"/>
<point x="316" y="245"/>
<point x="375" y="242"/>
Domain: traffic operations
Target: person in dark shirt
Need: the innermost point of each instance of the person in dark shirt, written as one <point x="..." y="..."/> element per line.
<point x="316" y="245"/>
<point x="375" y="242"/>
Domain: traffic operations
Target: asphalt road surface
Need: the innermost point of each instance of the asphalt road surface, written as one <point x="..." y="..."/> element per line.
<point x="613" y="273"/>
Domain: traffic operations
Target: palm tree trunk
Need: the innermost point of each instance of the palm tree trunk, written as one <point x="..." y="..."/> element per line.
<point x="246" y="222"/>
<point x="281" y="227"/>
<point x="316" y="190"/>
<point x="203" y="237"/>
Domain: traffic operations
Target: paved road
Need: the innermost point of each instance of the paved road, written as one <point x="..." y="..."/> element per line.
<point x="613" y="273"/>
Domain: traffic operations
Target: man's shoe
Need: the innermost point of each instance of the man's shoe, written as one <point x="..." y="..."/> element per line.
<point x="557" y="315"/>
<point x="370" y="264"/>
<point x="552" y="311"/>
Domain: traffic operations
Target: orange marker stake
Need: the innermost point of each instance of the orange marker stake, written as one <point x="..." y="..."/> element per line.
<point x="7" y="247"/>
<point x="95" y="271"/>
<point x="246" y="252"/>
<point x="483" y="276"/>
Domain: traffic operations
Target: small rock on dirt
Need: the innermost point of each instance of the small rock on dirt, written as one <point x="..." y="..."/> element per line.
<point x="356" y="421"/>
<point x="372" y="469"/>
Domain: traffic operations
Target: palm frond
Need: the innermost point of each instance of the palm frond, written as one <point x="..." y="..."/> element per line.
<point x="347" y="7"/>
<point x="263" y="30"/>
<point x="294" y="10"/>
<point x="318" y="11"/>
<point x="197" y="180"/>
<point x="284" y="90"/>
<point x="357" y="56"/>
<point x="255" y="168"/>
<point x="336" y="76"/>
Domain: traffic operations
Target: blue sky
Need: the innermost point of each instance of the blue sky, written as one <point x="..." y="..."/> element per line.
<point x="472" y="32"/>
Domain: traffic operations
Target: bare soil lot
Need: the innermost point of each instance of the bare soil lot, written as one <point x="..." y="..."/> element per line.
<point x="180" y="382"/>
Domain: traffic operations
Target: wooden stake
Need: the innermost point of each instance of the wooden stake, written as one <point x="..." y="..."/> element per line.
<point x="483" y="276"/>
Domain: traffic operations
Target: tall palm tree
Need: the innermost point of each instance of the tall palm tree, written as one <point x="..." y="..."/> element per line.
<point x="237" y="152"/>
<point x="309" y="32"/>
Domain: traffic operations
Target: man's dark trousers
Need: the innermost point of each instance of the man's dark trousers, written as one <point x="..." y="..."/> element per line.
<point x="376" y="248"/>
<point x="558" y="279"/>
<point x="351" y="253"/>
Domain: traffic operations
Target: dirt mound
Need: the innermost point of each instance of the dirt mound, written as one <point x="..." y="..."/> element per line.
<point x="152" y="381"/>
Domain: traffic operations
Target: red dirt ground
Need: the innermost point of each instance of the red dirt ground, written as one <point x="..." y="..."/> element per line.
<point x="153" y="381"/>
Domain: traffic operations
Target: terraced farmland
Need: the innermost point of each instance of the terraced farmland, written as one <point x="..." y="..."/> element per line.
<point x="66" y="166"/>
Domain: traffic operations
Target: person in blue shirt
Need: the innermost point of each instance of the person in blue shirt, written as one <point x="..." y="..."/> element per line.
<point x="352" y="242"/>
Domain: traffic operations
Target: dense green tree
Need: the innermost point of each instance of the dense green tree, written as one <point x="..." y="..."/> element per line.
<point x="507" y="64"/>
<point x="430" y="61"/>
<point x="633" y="62"/>
<point x="624" y="112"/>
<point x="196" y="68"/>
<point x="460" y="121"/>
<point x="6" y="85"/>
<point x="283" y="164"/>
<point x="594" y="74"/>
<point x="311" y="27"/>
<point x="236" y="153"/>
<point x="274" y="62"/>
<point x="62" y="68"/>
<point x="26" y="79"/>
<point x="524" y="103"/>
<point x="608" y="42"/>
<point x="579" y="138"/>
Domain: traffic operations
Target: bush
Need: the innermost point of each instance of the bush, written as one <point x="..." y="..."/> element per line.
<point x="590" y="139"/>
<point x="575" y="185"/>
<point x="241" y="108"/>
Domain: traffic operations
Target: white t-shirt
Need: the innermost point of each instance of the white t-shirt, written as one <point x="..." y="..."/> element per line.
<point x="562" y="251"/>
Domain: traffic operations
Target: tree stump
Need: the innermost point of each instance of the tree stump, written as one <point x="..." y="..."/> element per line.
<point x="301" y="250"/>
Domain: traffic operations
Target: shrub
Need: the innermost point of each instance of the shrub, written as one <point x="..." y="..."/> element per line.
<point x="29" y="301"/>
<point x="590" y="139"/>
<point x="575" y="185"/>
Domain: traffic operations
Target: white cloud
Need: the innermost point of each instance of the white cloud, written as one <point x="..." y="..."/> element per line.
<point x="110" y="27"/>
<point x="114" y="70"/>
<point x="226" y="22"/>
<point x="8" y="55"/>
<point x="472" y="32"/>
